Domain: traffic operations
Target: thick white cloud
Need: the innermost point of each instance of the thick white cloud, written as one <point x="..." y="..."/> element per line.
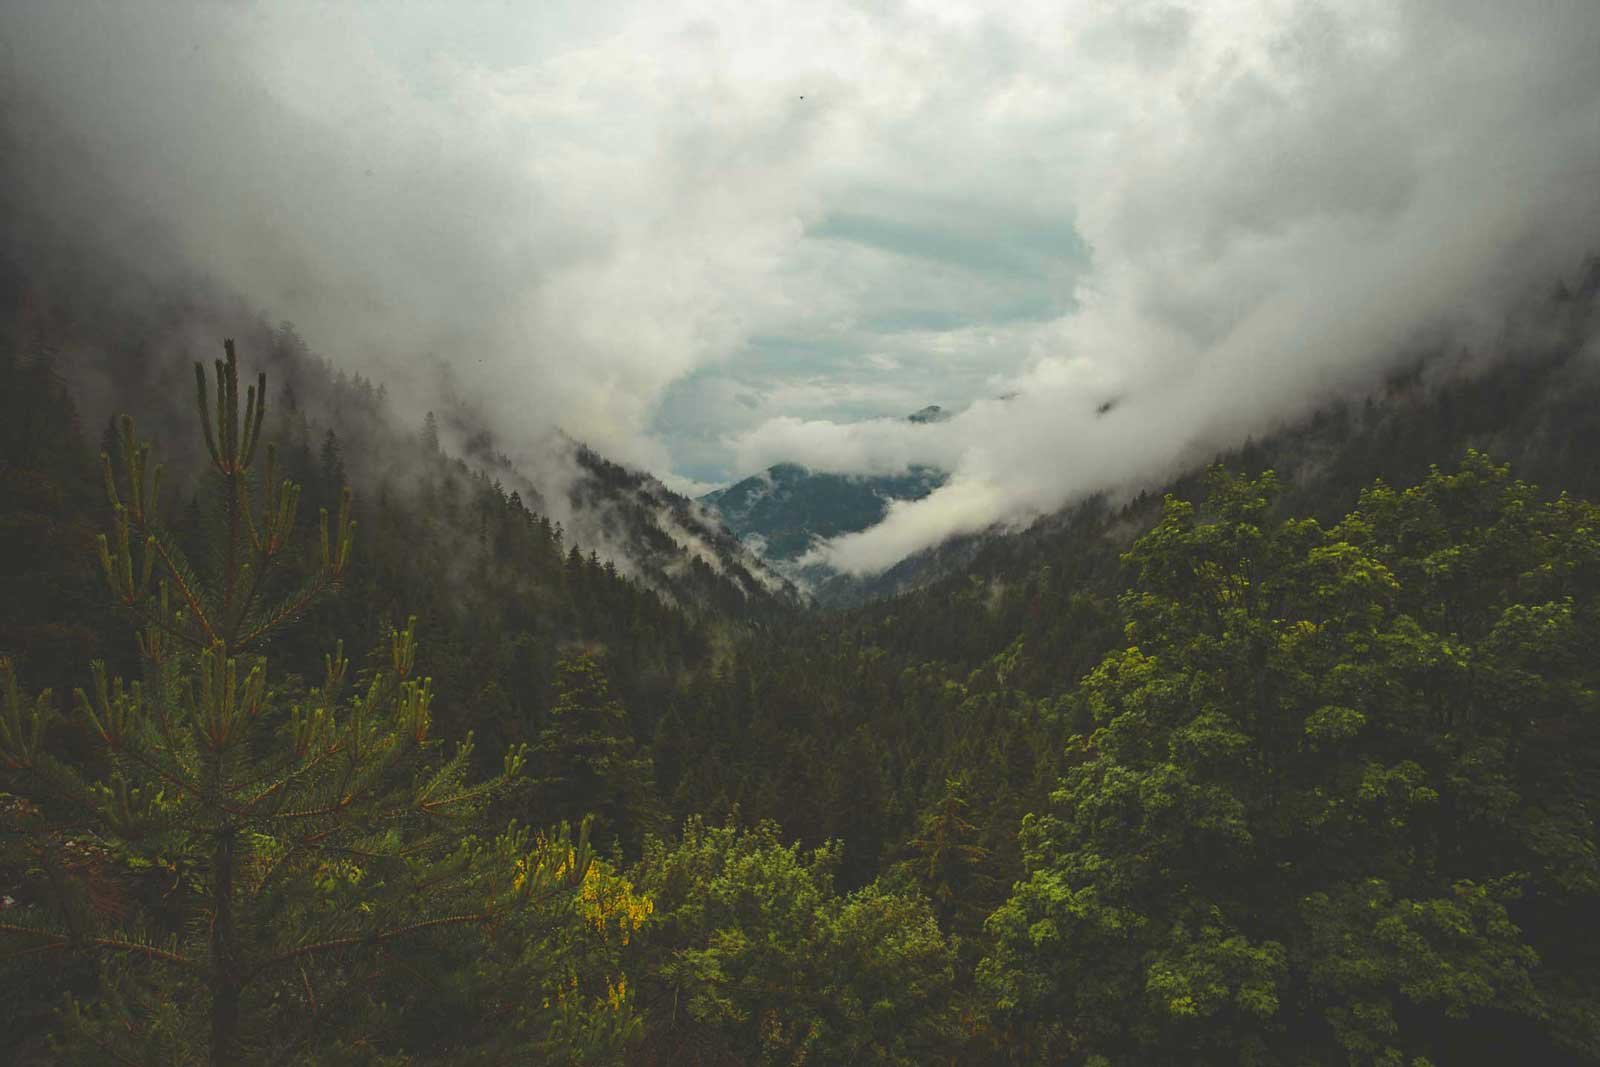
<point x="709" y="237"/>
<point x="1280" y="219"/>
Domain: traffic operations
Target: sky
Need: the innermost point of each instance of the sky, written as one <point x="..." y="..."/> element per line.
<point x="708" y="237"/>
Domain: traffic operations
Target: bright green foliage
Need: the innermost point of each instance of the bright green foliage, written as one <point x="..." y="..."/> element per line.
<point x="1339" y="794"/>
<point x="242" y="858"/>
<point x="762" y="962"/>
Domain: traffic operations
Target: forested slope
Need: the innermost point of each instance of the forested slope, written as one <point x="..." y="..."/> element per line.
<point x="1300" y="764"/>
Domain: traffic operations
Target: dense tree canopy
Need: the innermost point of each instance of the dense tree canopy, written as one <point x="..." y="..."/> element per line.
<point x="1337" y="796"/>
<point x="1268" y="771"/>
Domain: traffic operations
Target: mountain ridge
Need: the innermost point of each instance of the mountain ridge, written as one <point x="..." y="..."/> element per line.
<point x="783" y="511"/>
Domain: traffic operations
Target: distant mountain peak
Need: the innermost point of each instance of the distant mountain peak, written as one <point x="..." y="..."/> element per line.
<point x="781" y="513"/>
<point x="784" y="510"/>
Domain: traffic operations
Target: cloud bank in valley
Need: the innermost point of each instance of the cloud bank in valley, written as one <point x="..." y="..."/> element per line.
<point x="712" y="237"/>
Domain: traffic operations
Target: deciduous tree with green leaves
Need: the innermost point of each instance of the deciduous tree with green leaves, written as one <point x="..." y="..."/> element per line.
<point x="1338" y="801"/>
<point x="752" y="957"/>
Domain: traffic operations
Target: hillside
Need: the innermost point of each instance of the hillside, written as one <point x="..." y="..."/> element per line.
<point x="482" y="580"/>
<point x="665" y="680"/>
<point x="1531" y="398"/>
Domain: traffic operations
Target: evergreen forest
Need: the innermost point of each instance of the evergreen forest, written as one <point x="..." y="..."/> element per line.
<point x="319" y="745"/>
<point x="856" y="534"/>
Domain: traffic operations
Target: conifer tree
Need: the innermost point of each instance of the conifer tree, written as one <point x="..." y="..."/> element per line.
<point x="48" y="592"/>
<point x="947" y="858"/>
<point x="586" y="760"/>
<point x="430" y="434"/>
<point x="330" y="466"/>
<point x="272" y="838"/>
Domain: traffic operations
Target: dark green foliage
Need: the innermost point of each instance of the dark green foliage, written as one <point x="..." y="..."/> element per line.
<point x="1323" y="814"/>
<point x="52" y="618"/>
<point x="585" y="760"/>
<point x="947" y="860"/>
<point x="249" y="847"/>
<point x="1305" y="771"/>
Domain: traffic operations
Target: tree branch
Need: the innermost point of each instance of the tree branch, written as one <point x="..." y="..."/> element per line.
<point x="60" y="941"/>
<point x="370" y="939"/>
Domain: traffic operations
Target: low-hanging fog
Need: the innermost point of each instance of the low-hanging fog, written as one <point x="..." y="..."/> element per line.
<point x="709" y="237"/>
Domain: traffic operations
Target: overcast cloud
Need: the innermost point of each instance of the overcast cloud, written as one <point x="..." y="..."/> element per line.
<point x="709" y="237"/>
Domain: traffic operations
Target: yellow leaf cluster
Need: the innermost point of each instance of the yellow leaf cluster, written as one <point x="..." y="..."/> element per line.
<point x="609" y="901"/>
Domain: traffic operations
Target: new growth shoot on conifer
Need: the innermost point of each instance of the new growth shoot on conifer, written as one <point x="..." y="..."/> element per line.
<point x="287" y="833"/>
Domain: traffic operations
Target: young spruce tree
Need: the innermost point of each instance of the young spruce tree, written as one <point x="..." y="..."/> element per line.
<point x="271" y="842"/>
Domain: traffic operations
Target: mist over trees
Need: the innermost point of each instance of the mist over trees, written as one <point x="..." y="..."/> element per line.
<point x="1287" y="768"/>
<point x="1217" y="684"/>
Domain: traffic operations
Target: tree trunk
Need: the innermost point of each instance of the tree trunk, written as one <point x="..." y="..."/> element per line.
<point x="225" y="1023"/>
<point x="224" y="966"/>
